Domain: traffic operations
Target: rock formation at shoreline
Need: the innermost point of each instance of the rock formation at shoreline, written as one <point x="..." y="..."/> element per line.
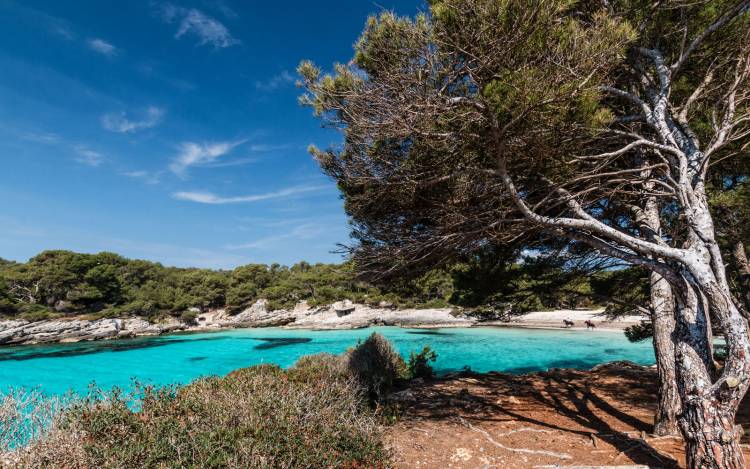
<point x="19" y="331"/>
<point x="340" y="315"/>
<point x="16" y="332"/>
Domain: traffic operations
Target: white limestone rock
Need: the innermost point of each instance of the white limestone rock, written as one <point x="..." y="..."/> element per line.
<point x="258" y="315"/>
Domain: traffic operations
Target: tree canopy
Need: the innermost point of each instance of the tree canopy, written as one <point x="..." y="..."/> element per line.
<point x="595" y="122"/>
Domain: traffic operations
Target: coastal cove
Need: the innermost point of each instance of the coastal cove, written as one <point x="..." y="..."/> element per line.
<point x="302" y="316"/>
<point x="180" y="358"/>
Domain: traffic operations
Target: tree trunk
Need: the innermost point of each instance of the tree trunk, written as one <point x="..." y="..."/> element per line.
<point x="662" y="318"/>
<point x="709" y="402"/>
<point x="663" y="321"/>
<point x="715" y="440"/>
<point x="743" y="266"/>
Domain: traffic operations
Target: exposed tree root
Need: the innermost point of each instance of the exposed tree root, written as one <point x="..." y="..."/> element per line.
<point x="524" y="429"/>
<point x="516" y="450"/>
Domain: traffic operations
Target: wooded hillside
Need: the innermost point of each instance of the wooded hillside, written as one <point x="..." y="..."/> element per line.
<point x="108" y="285"/>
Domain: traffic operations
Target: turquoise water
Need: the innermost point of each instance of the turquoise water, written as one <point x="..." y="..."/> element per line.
<point x="180" y="358"/>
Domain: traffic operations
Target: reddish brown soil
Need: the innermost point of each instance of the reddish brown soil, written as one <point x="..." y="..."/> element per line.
<point x="543" y="420"/>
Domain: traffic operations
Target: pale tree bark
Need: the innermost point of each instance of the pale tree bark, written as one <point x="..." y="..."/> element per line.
<point x="663" y="321"/>
<point x="662" y="318"/>
<point x="710" y="401"/>
<point x="743" y="266"/>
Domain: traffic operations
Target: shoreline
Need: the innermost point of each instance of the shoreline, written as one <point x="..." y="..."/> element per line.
<point x="77" y="329"/>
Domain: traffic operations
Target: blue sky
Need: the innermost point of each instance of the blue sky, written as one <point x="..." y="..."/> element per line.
<point x="169" y="131"/>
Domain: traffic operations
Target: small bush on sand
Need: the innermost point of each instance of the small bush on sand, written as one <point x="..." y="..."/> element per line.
<point x="259" y="417"/>
<point x="376" y="365"/>
<point x="419" y="363"/>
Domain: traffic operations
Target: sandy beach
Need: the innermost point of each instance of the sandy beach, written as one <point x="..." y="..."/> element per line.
<point x="554" y="320"/>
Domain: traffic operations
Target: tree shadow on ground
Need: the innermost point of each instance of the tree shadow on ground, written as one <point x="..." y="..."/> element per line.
<point x="611" y="405"/>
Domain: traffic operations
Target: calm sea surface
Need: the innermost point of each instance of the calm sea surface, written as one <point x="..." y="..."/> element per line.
<point x="180" y="358"/>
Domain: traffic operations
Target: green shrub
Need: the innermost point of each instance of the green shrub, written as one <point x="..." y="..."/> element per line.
<point x="34" y="313"/>
<point x="419" y="363"/>
<point x="189" y="317"/>
<point x="640" y="332"/>
<point x="376" y="365"/>
<point x="321" y="366"/>
<point x="259" y="417"/>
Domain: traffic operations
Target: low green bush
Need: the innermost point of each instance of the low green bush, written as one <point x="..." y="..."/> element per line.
<point x="259" y="417"/>
<point x="419" y="363"/>
<point x="321" y="366"/>
<point x="313" y="415"/>
<point x="377" y="366"/>
<point x="189" y="317"/>
<point x="34" y="313"/>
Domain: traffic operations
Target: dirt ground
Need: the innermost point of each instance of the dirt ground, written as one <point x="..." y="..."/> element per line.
<point x="544" y="420"/>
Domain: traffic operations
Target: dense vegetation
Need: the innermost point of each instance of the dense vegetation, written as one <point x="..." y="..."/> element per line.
<point x="319" y="413"/>
<point x="107" y="285"/>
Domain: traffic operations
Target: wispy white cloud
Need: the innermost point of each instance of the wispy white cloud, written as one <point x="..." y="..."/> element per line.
<point x="88" y="156"/>
<point x="191" y="21"/>
<point x="53" y="24"/>
<point x="61" y="29"/>
<point x="229" y="163"/>
<point x="211" y="198"/>
<point x="284" y="78"/>
<point x="14" y="227"/>
<point x="40" y="137"/>
<point x="83" y="153"/>
<point x="169" y="254"/>
<point x="200" y="154"/>
<point x="301" y="232"/>
<point x="222" y="8"/>
<point x="147" y="177"/>
<point x="101" y="46"/>
<point x="265" y="147"/>
<point x="119" y="121"/>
